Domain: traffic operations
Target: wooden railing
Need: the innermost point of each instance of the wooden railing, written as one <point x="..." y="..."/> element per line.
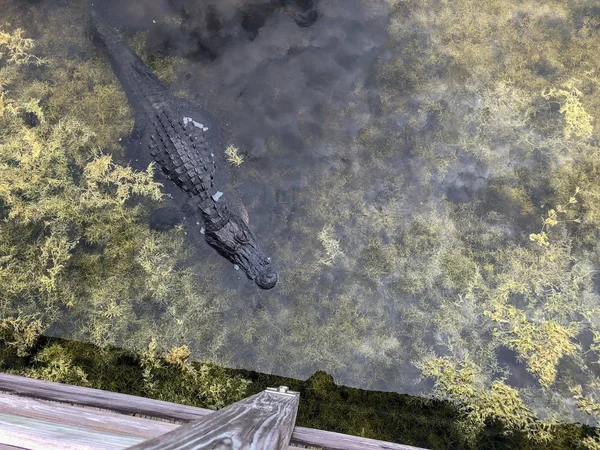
<point x="263" y="421"/>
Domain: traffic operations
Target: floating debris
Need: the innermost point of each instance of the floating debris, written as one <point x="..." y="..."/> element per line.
<point x="187" y="120"/>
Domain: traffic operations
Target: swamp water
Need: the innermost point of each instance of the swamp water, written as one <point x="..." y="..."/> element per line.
<point x="423" y="173"/>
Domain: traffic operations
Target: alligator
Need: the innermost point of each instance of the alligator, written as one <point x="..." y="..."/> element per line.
<point x="183" y="139"/>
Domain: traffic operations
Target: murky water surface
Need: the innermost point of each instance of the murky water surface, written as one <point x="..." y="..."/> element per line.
<point x="424" y="175"/>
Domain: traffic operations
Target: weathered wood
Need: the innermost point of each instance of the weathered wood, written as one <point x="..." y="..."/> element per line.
<point x="262" y="422"/>
<point x="73" y="416"/>
<point x="123" y="403"/>
<point x="10" y="447"/>
<point x="43" y="435"/>
<point x="328" y="440"/>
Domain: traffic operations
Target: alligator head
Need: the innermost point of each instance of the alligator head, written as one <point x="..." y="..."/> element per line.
<point x="235" y="241"/>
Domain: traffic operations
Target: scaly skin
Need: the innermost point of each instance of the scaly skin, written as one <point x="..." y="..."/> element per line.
<point x="183" y="140"/>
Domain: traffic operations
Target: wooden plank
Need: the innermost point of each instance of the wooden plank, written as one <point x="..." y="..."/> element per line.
<point x="263" y="421"/>
<point x="123" y="403"/>
<point x="328" y="440"/>
<point x="45" y="435"/>
<point x="10" y="447"/>
<point x="89" y="418"/>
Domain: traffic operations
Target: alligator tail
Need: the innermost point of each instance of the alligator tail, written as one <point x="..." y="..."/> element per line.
<point x="104" y="32"/>
<point x="142" y="87"/>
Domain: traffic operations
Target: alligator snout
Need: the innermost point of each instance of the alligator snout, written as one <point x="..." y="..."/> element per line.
<point x="267" y="280"/>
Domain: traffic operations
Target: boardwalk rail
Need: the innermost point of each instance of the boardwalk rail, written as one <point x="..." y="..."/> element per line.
<point x="263" y="421"/>
<point x="129" y="404"/>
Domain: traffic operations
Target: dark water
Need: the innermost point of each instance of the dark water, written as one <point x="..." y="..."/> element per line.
<point x="393" y="175"/>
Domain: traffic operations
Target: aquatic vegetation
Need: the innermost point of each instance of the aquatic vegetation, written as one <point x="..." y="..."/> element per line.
<point x="578" y="122"/>
<point x="460" y="382"/>
<point x="518" y="111"/>
<point x="52" y="212"/>
<point x="17" y="49"/>
<point x="437" y="215"/>
<point x="552" y="219"/>
<point x="55" y="364"/>
<point x="163" y="65"/>
<point x="162" y="375"/>
<point x="21" y="333"/>
<point x="233" y="156"/>
<point x="588" y="404"/>
<point x="330" y="244"/>
<point x="541" y="345"/>
<point x="170" y="377"/>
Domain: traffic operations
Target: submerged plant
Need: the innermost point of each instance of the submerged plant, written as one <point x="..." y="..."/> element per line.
<point x="462" y="383"/>
<point x="171" y="377"/>
<point x="232" y="155"/>
<point x="74" y="237"/>
<point x="17" y="49"/>
<point x="21" y="333"/>
<point x="552" y="219"/>
<point x="330" y="245"/>
<point x="541" y="345"/>
<point x="578" y="122"/>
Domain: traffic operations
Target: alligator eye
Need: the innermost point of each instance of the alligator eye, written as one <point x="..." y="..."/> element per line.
<point x="241" y="236"/>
